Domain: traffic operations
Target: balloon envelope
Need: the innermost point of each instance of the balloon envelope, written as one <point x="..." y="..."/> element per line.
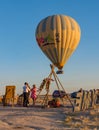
<point x="58" y="36"/>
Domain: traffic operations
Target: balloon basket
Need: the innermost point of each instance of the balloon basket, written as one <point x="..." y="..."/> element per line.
<point x="46" y="84"/>
<point x="59" y="72"/>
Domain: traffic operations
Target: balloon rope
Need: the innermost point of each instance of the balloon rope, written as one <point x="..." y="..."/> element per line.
<point x="57" y="85"/>
<point x="63" y="89"/>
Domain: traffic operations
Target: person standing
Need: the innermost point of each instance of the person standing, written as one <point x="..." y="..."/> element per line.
<point x="25" y="94"/>
<point x="34" y="93"/>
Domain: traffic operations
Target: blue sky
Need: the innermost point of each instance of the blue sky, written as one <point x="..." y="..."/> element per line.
<point x="22" y="60"/>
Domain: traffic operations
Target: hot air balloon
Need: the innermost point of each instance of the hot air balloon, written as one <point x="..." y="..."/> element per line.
<point x="58" y="36"/>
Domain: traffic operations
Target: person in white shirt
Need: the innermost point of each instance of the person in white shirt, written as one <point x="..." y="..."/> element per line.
<point x="26" y="90"/>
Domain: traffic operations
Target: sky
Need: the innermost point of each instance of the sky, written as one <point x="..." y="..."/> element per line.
<point x="22" y="60"/>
